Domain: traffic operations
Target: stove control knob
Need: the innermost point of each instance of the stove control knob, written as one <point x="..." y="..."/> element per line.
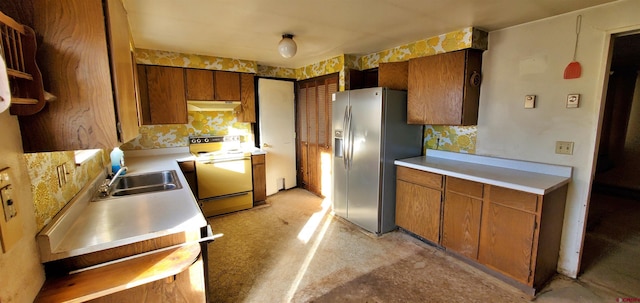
<point x="198" y="140"/>
<point x="206" y="140"/>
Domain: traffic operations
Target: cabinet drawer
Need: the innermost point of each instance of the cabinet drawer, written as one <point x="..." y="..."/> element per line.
<point x="514" y="198"/>
<point x="419" y="177"/>
<point x="465" y="187"/>
<point x="257" y="159"/>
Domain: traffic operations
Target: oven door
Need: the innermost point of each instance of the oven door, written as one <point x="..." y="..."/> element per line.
<point x="223" y="177"/>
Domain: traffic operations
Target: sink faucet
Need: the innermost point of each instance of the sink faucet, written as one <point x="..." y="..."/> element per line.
<point x="104" y="188"/>
<point x="117" y="174"/>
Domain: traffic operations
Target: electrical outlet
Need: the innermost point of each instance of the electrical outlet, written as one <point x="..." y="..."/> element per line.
<point x="564" y="147"/>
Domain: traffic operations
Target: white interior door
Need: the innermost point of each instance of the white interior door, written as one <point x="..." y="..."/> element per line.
<point x="277" y="132"/>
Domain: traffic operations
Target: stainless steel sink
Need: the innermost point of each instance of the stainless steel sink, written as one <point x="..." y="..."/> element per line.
<point x="140" y="184"/>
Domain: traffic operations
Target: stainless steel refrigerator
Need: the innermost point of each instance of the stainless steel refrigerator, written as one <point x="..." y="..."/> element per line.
<point x="370" y="131"/>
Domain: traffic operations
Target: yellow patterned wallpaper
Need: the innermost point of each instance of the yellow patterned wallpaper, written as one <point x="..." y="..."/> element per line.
<point x="48" y="196"/>
<point x="460" y="139"/>
<point x="276" y="72"/>
<point x="176" y="135"/>
<point x="465" y="38"/>
<point x="157" y="57"/>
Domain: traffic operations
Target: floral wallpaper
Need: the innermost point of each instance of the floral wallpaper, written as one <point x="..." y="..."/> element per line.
<point x="460" y="139"/>
<point x="276" y="72"/>
<point x="465" y="38"/>
<point x="157" y="57"/>
<point x="48" y="196"/>
<point x="176" y="135"/>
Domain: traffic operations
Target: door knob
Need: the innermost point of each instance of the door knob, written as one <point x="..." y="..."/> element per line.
<point x="265" y="145"/>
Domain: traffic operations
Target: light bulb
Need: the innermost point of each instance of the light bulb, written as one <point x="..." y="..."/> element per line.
<point x="287" y="47"/>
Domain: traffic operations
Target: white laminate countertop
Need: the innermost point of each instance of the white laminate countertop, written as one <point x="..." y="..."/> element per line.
<point x="109" y="223"/>
<point x="532" y="177"/>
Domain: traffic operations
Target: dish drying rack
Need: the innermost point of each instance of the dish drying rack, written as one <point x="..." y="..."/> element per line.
<point x="18" y="49"/>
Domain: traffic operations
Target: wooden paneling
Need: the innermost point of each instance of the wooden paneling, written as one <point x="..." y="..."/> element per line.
<point x="259" y="178"/>
<point x="167" y="103"/>
<point x="461" y="223"/>
<point x="394" y="75"/>
<point x="248" y="100"/>
<point x="418" y="210"/>
<point x="514" y="198"/>
<point x="419" y="177"/>
<point x="199" y="84"/>
<point x="227" y="86"/>
<point x="440" y="91"/>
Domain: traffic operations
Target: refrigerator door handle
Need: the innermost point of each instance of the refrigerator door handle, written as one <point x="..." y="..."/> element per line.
<point x="345" y="136"/>
<point x="349" y="133"/>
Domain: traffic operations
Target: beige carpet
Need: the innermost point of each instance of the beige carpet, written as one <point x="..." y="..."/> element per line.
<point x="294" y="250"/>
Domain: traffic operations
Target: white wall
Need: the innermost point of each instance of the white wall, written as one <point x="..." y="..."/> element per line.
<point x="21" y="273"/>
<point x="530" y="59"/>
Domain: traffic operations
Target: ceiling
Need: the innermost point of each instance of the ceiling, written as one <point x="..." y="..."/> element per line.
<point x="251" y="29"/>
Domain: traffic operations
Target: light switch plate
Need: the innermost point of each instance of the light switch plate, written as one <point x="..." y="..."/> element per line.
<point x="530" y="101"/>
<point x="10" y="229"/>
<point x="573" y="100"/>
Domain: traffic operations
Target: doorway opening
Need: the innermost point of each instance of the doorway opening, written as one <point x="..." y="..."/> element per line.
<point x="612" y="241"/>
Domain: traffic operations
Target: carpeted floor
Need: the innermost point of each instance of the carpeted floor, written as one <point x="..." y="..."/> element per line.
<point x="294" y="250"/>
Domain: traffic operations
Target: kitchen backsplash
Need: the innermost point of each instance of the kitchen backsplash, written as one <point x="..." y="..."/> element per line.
<point x="460" y="139"/>
<point x="176" y="135"/>
<point x="48" y="196"/>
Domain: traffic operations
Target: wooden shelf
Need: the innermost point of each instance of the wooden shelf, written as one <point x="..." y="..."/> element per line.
<point x="18" y="49"/>
<point x="24" y="101"/>
<point x="119" y="275"/>
<point x="18" y="74"/>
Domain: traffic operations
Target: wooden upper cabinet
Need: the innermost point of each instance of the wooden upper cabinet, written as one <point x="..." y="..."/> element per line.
<point x="199" y="84"/>
<point x="444" y="89"/>
<point x="85" y="60"/>
<point x="227" y="86"/>
<point x="166" y="93"/>
<point x="246" y="112"/>
<point x="394" y="75"/>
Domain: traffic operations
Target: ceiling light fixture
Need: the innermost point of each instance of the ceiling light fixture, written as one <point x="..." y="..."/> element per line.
<point x="287" y="47"/>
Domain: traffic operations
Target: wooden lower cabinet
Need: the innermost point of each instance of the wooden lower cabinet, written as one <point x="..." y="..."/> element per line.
<point x="507" y="241"/>
<point x="511" y="234"/>
<point x="419" y="202"/>
<point x="520" y="234"/>
<point x="462" y="212"/>
<point x="259" y="179"/>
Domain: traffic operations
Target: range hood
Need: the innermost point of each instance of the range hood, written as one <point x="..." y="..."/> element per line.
<point x="211" y="106"/>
